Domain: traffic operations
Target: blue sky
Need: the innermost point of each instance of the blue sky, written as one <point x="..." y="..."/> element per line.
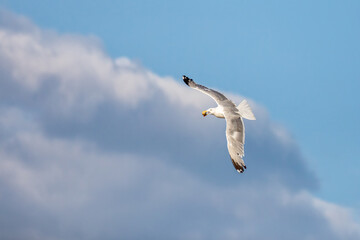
<point x="299" y="60"/>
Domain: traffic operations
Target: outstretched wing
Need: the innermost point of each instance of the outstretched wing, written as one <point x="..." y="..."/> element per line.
<point x="235" y="136"/>
<point x="218" y="97"/>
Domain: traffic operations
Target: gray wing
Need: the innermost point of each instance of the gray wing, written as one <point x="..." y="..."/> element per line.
<point x="218" y="97"/>
<point x="235" y="136"/>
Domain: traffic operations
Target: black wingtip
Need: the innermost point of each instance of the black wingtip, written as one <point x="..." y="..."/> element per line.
<point x="239" y="168"/>
<point x="186" y="80"/>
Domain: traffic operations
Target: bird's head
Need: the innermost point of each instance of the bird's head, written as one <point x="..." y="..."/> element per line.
<point x="206" y="112"/>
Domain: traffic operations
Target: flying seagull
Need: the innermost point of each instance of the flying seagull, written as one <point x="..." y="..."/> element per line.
<point x="235" y="130"/>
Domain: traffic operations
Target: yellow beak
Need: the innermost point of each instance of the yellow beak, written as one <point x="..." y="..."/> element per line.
<point x="204" y="113"/>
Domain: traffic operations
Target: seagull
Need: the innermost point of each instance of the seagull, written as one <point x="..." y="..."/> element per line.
<point x="235" y="129"/>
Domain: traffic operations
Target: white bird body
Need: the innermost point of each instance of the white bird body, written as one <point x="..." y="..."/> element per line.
<point x="235" y="130"/>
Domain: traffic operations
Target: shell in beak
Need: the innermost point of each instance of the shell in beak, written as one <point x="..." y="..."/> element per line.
<point x="204" y="113"/>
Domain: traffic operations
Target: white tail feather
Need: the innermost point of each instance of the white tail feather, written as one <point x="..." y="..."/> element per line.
<point x="245" y="110"/>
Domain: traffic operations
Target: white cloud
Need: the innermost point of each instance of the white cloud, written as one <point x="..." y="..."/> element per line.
<point x="59" y="176"/>
<point x="79" y="66"/>
<point x="340" y="218"/>
<point x="92" y="147"/>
